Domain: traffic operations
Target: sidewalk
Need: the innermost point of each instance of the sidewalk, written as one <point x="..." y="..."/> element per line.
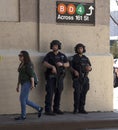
<point x="68" y="121"/>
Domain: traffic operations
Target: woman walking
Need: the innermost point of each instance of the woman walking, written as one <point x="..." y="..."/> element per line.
<point x="26" y="80"/>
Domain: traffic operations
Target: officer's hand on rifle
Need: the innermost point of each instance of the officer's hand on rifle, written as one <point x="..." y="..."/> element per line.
<point x="59" y="64"/>
<point x="88" y="68"/>
<point x="54" y="71"/>
<point x="76" y="73"/>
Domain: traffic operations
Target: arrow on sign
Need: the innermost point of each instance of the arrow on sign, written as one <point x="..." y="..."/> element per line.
<point x="91" y="11"/>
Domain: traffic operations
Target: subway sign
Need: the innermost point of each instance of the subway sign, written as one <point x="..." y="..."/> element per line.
<point x="75" y="12"/>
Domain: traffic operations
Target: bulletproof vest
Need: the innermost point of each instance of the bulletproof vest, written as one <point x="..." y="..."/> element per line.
<point x="54" y="60"/>
<point x="81" y="63"/>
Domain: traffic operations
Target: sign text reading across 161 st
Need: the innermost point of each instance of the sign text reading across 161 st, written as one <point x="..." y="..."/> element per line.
<point x="74" y="12"/>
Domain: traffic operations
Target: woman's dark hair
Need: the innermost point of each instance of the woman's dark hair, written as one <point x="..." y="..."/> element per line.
<point x="26" y="57"/>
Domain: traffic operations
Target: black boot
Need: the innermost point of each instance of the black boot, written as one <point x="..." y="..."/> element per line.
<point x="58" y="112"/>
<point x="75" y="111"/>
<point x="40" y="112"/>
<point x="83" y="111"/>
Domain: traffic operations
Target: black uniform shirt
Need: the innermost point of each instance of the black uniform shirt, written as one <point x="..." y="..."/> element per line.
<point x="52" y="59"/>
<point x="79" y="63"/>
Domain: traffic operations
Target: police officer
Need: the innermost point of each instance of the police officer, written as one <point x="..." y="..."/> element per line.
<point x="80" y="67"/>
<point x="55" y="62"/>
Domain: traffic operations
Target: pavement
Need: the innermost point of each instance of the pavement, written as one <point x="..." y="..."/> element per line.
<point x="68" y="121"/>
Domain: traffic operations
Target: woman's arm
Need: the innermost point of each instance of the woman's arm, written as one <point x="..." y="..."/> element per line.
<point x="32" y="82"/>
<point x="18" y="85"/>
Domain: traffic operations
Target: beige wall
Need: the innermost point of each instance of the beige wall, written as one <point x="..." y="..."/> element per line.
<point x="93" y="37"/>
<point x="9" y="10"/>
<point x="15" y="36"/>
<point x="22" y="34"/>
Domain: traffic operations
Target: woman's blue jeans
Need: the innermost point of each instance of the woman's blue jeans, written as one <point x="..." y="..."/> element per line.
<point x="25" y="89"/>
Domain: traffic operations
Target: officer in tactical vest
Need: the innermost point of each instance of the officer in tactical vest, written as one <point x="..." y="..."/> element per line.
<point x="80" y="67"/>
<point x="55" y="62"/>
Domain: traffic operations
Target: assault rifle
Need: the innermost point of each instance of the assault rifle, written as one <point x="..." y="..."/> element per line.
<point x="59" y="77"/>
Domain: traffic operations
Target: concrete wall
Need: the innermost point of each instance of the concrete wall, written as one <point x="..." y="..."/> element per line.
<point x="27" y="34"/>
<point x="9" y="10"/>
